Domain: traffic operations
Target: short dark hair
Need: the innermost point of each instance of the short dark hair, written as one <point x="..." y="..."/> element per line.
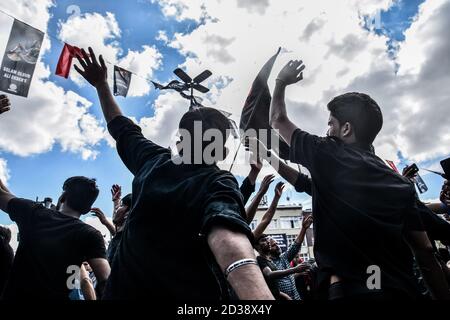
<point x="211" y="119"/>
<point x="361" y="111"/>
<point x="257" y="239"/>
<point x="80" y="193"/>
<point x="126" y="201"/>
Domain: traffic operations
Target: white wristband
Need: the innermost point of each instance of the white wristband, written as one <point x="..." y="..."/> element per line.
<point x="238" y="264"/>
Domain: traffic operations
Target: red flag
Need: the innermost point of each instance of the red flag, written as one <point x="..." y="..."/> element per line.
<point x="65" y="60"/>
<point x="392" y="165"/>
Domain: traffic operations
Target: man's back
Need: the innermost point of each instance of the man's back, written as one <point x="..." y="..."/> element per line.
<point x="361" y="209"/>
<point x="50" y="242"/>
<point x="163" y="253"/>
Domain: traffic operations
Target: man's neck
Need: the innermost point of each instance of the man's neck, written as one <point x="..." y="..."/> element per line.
<point x="69" y="212"/>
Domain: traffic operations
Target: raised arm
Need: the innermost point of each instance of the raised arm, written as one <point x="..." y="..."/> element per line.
<point x="248" y="185"/>
<point x="445" y="195"/>
<point x="96" y="74"/>
<point x="295" y="247"/>
<point x="431" y="271"/>
<point x="104" y="221"/>
<point x="228" y="247"/>
<point x="251" y="210"/>
<point x="116" y="194"/>
<point x="265" y="221"/>
<point x="290" y="74"/>
<point x="277" y="274"/>
<point x="5" y="196"/>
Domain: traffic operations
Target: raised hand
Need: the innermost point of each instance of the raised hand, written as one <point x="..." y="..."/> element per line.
<point x="292" y="72"/>
<point x="279" y="189"/>
<point x="5" y="104"/>
<point x="99" y="214"/>
<point x="445" y="194"/>
<point x="307" y="222"/>
<point x="116" y="192"/>
<point x="303" y="267"/>
<point x="266" y="183"/>
<point x="95" y="73"/>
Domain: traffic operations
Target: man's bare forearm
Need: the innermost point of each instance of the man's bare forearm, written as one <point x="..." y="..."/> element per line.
<point x="279" y="119"/>
<point x="111" y="228"/>
<point x="5" y="196"/>
<point x="433" y="275"/>
<point x="301" y="236"/>
<point x="228" y="247"/>
<point x="278" y="112"/>
<point x="437" y="208"/>
<point x="267" y="218"/>
<point x="280" y="273"/>
<point x="251" y="210"/>
<point x="109" y="105"/>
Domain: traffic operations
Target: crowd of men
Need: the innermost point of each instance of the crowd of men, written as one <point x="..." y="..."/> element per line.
<point x="366" y="217"/>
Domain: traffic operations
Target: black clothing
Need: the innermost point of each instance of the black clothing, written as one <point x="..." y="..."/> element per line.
<point x="50" y="242"/>
<point x="163" y="252"/>
<point x="361" y="209"/>
<point x="271" y="283"/>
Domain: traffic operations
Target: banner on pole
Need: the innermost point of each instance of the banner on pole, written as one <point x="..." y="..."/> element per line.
<point x="122" y="79"/>
<point x="20" y="58"/>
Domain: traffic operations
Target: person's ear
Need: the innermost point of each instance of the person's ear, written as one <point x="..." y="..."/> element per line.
<point x="346" y="130"/>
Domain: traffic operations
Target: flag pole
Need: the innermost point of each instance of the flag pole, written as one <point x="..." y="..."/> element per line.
<point x="235" y="155"/>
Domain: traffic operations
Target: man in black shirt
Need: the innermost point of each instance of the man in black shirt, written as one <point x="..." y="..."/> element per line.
<point x="200" y="205"/>
<point x="363" y="211"/>
<point x="54" y="243"/>
<point x="6" y="256"/>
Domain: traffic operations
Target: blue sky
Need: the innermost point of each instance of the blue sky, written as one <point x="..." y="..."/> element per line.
<point x="140" y="21"/>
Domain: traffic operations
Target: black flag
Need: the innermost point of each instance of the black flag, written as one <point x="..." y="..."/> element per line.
<point x="174" y="84"/>
<point x="255" y="114"/>
<point x="20" y="58"/>
<point x="122" y="79"/>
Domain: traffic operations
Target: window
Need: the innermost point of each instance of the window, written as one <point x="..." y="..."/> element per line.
<point x="273" y="224"/>
<point x="291" y="238"/>
<point x="290" y="223"/>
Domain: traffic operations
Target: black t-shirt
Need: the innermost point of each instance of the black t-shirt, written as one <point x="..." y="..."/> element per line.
<point x="436" y="227"/>
<point x="163" y="252"/>
<point x="271" y="283"/>
<point x="113" y="245"/>
<point x="361" y="211"/>
<point x="303" y="184"/>
<point x="50" y="242"/>
<point x="6" y="261"/>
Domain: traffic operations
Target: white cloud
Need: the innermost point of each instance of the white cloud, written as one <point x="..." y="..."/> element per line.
<point x="49" y="115"/>
<point x="4" y="172"/>
<point x="77" y="30"/>
<point x="14" y="232"/>
<point x="340" y="54"/>
<point x="95" y="222"/>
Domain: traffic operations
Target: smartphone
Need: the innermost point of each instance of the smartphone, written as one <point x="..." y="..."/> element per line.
<point x="446" y="167"/>
<point x="411" y="171"/>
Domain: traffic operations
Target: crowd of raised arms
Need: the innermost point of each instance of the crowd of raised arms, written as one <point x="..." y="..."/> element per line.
<point x="368" y="219"/>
